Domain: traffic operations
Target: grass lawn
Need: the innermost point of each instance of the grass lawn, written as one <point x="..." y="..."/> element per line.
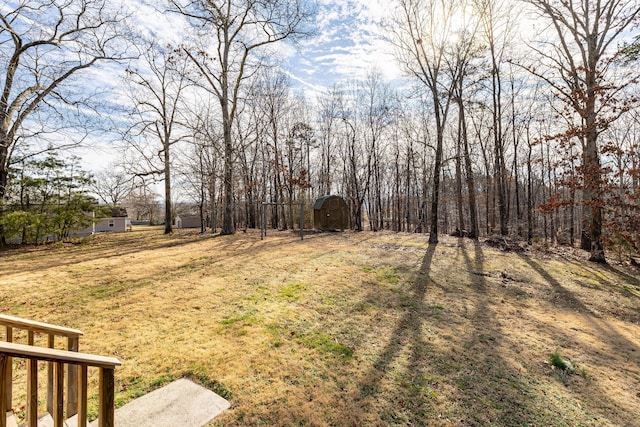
<point x="347" y="329"/>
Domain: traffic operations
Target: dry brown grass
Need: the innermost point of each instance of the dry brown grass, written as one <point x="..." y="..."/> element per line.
<point x="347" y="329"/>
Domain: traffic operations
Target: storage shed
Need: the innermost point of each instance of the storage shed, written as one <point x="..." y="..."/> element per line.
<point x="188" y="221"/>
<point x="118" y="222"/>
<point x="330" y="213"/>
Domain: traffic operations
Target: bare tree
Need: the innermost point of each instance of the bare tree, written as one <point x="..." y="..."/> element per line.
<point x="496" y="25"/>
<point x="580" y="66"/>
<point x="421" y="31"/>
<point x="376" y="99"/>
<point x="197" y="170"/>
<point x="463" y="52"/>
<point x="328" y="123"/>
<point x="240" y="30"/>
<point x="112" y="186"/>
<point x="274" y="98"/>
<point x="204" y="166"/>
<point x="158" y="88"/>
<point x="141" y="203"/>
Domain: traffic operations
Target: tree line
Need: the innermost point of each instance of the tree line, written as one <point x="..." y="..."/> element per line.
<point x="516" y="119"/>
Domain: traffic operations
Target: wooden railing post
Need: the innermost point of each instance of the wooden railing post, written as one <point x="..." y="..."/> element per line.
<point x="82" y="395"/>
<point x="32" y="386"/>
<point x="72" y="380"/>
<point x="106" y="410"/>
<point x="58" y="390"/>
<point x="7" y="378"/>
<point x="5" y="362"/>
<point x="32" y="393"/>
<point x="50" y="344"/>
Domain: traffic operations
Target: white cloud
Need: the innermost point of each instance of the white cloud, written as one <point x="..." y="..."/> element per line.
<point x="349" y="44"/>
<point x="157" y="24"/>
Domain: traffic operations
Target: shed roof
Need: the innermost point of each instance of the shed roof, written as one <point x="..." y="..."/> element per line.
<point x="189" y="216"/>
<point x="321" y="201"/>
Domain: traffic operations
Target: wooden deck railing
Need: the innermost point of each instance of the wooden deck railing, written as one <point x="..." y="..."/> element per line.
<point x="12" y="324"/>
<point x="59" y="358"/>
<point x="76" y="371"/>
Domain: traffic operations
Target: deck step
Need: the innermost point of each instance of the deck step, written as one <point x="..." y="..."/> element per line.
<point x="180" y="403"/>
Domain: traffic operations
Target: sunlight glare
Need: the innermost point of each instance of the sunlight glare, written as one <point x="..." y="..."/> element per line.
<point x="452" y="22"/>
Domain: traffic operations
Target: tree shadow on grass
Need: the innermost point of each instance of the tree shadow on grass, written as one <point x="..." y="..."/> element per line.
<point x="567" y="299"/>
<point x="635" y="281"/>
<point x="445" y="370"/>
<point x="133" y="244"/>
<point x="460" y="366"/>
<point x="490" y="388"/>
<point x="619" y="351"/>
<point x="619" y="281"/>
<point x="408" y="333"/>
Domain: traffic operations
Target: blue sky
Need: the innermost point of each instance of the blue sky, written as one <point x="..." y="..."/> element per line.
<point x="349" y="43"/>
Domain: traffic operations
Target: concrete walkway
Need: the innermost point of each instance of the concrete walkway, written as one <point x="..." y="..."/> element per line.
<point x="181" y="403"/>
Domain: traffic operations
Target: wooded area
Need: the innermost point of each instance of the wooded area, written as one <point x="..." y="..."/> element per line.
<point x="515" y="118"/>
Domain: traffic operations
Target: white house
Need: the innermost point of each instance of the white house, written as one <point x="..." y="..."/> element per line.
<point x="118" y="222"/>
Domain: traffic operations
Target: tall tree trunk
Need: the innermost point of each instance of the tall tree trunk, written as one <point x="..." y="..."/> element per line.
<point x="4" y="175"/>
<point x="593" y="173"/>
<point x="544" y="191"/>
<point x="471" y="184"/>
<point x="228" y="219"/>
<point x="552" y="190"/>
<point x="213" y="206"/>
<point x="437" y="169"/>
<point x="516" y="173"/>
<point x="529" y="191"/>
<point x="168" y="215"/>
<point x="461" y="222"/>
<point x="407" y="191"/>
<point x="593" y="183"/>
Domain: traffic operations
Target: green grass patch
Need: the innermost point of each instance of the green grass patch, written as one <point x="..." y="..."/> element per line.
<point x="417" y="383"/>
<point x="326" y="344"/>
<point x="128" y="390"/>
<point x="247" y="318"/>
<point x="384" y="274"/>
<point x="565" y="366"/>
<point x="463" y="383"/>
<point x="292" y="292"/>
<point x="277" y="334"/>
<point x="112" y="287"/>
<point x="107" y="290"/>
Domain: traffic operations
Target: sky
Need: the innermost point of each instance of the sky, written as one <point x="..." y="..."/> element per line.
<point x="348" y="44"/>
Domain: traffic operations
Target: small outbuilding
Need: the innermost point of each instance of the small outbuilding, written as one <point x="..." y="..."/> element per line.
<point x="188" y="221"/>
<point x="330" y="213"/>
<point x="117" y="222"/>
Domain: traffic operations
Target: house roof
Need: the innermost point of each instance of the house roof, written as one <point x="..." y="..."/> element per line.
<point x="119" y="213"/>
